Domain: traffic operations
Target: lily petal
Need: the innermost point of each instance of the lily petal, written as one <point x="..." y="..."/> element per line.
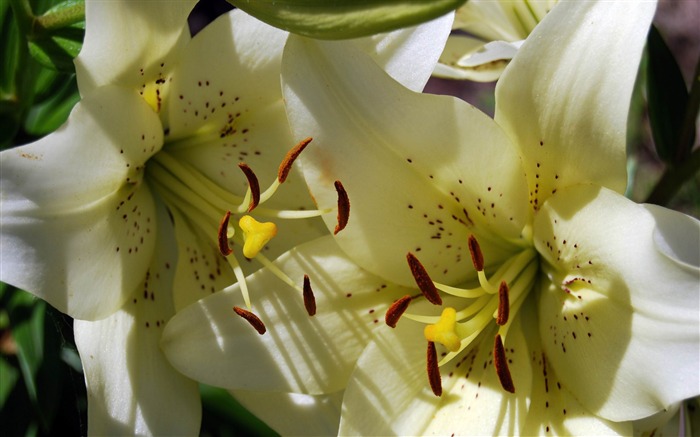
<point x="553" y="408"/>
<point x="461" y="49"/>
<point x="227" y="72"/>
<point x="205" y="340"/>
<point x="559" y="102"/>
<point x="617" y="305"/>
<point x="391" y="376"/>
<point x="293" y="413"/>
<point x="146" y="35"/>
<point x="80" y="237"/>
<point x="409" y="55"/>
<point x="455" y="165"/>
<point x="132" y="389"/>
<point x="201" y="269"/>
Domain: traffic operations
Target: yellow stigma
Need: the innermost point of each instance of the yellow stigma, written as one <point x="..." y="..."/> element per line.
<point x="443" y="331"/>
<point x="256" y="235"/>
<point x="151" y="93"/>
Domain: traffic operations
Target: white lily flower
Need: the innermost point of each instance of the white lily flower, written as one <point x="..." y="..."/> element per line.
<point x="206" y="343"/>
<point x="113" y="219"/>
<point x="498" y="29"/>
<point x="562" y="306"/>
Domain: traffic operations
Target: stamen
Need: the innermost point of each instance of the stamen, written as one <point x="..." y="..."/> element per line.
<point x="223" y="235"/>
<point x="309" y="299"/>
<point x="501" y="364"/>
<point x="475" y="251"/>
<point x="444" y="331"/>
<point x="433" y="370"/>
<point x="256" y="235"/>
<point x="396" y="310"/>
<point x="292" y="155"/>
<point x="251" y="318"/>
<point x="503" y="304"/>
<point x="420" y="275"/>
<point x="253" y="185"/>
<point x="343" y="207"/>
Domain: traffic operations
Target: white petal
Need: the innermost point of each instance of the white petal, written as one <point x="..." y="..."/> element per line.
<point x="225" y="74"/>
<point x="201" y="269"/>
<point x="77" y="224"/>
<point x="210" y="343"/>
<point x="293" y="413"/>
<point x="565" y="96"/>
<point x="126" y="42"/>
<point x="489" y="20"/>
<point x="491" y="52"/>
<point x="389" y="393"/>
<point x="132" y="389"/>
<point x="619" y="309"/>
<point x="422" y="160"/>
<point x="665" y="423"/>
<point x="409" y="55"/>
<point x="460" y="49"/>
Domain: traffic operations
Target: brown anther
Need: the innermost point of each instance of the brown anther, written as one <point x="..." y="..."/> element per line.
<point x="309" y="299"/>
<point x="252" y="184"/>
<point x="223" y="237"/>
<point x="251" y="318"/>
<point x="475" y="251"/>
<point x="503" y="304"/>
<point x="433" y="370"/>
<point x="425" y="284"/>
<point x="343" y="207"/>
<point x="289" y="158"/>
<point x="501" y="364"/>
<point x="396" y="310"/>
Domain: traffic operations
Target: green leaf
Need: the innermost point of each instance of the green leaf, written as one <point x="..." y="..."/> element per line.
<point x="58" y="49"/>
<point x="342" y="19"/>
<point x="668" y="98"/>
<point x="46" y="116"/>
<point x="8" y="381"/>
<point x="222" y="415"/>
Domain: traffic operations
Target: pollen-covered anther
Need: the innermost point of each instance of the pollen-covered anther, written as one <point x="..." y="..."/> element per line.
<point x="425" y="284"/>
<point x="475" y="252"/>
<point x="503" y="304"/>
<point x="253" y="184"/>
<point x="444" y="331"/>
<point x="396" y="310"/>
<point x="251" y="318"/>
<point x="500" y="362"/>
<point x="343" y="207"/>
<point x="292" y="155"/>
<point x="256" y="235"/>
<point x="223" y="235"/>
<point x="433" y="370"/>
<point x="309" y="299"/>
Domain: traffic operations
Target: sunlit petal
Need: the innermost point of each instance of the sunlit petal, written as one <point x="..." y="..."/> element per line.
<point x="209" y="342"/>
<point x="293" y="413"/>
<point x="77" y="224"/>
<point x="565" y="97"/>
<point x="474" y="184"/>
<point x="124" y="45"/>
<point x="132" y="389"/>
<point x="618" y="306"/>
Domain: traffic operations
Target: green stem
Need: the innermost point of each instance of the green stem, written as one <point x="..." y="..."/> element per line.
<point x="673" y="178"/>
<point x="688" y="134"/>
<point x="69" y="13"/>
<point x="22" y="11"/>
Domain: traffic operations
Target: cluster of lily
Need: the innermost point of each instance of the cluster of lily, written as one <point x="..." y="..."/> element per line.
<point x="549" y="302"/>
